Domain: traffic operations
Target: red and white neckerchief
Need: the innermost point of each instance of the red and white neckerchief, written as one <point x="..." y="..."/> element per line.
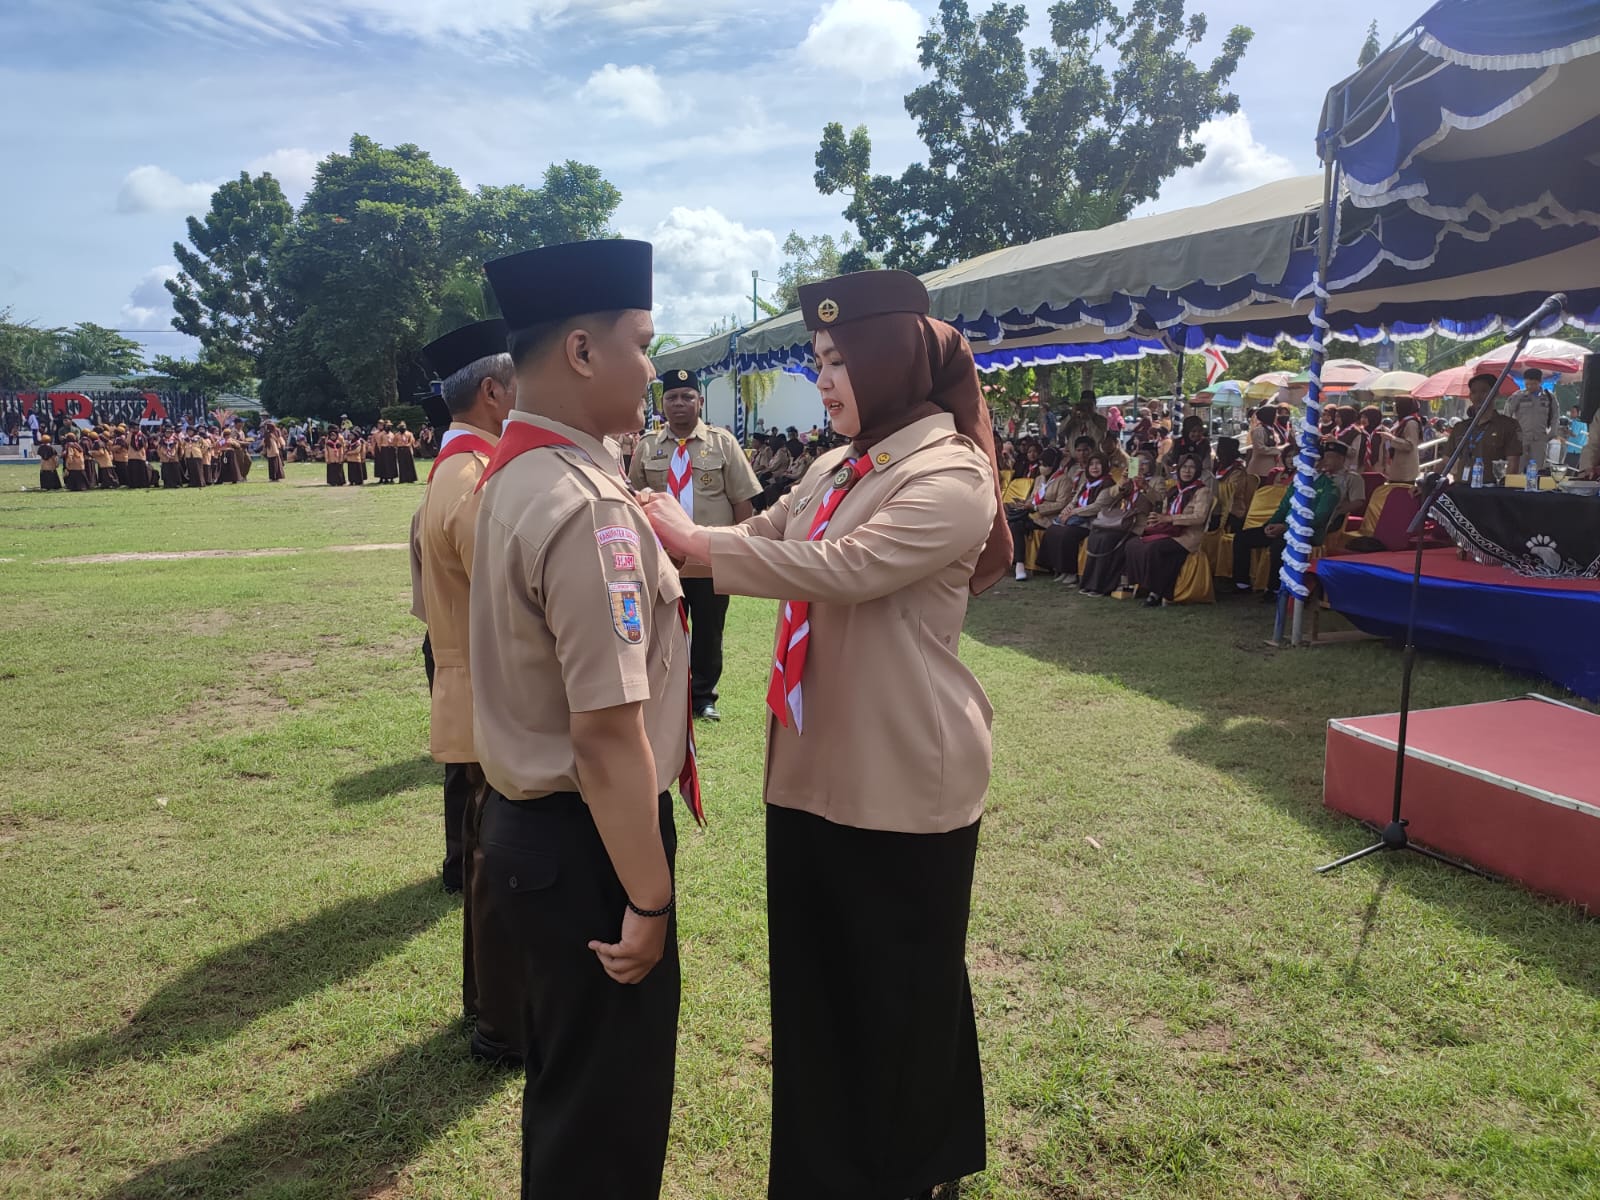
<point x="794" y="624"/>
<point x="518" y="439"/>
<point x="1090" y="487"/>
<point x="1043" y="485"/>
<point x="680" y="476"/>
<point x="1180" y="498"/>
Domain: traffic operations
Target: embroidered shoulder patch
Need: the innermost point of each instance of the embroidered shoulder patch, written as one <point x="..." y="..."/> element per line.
<point x="624" y="562"/>
<point x="617" y="533"/>
<point x="627" y="611"/>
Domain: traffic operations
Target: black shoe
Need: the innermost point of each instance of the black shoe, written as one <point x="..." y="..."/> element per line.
<point x="1152" y="601"/>
<point x="451" y="881"/>
<point x="495" y="1054"/>
<point x="707" y="712"/>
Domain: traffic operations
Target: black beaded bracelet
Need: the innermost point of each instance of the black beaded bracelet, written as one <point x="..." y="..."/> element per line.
<point x="652" y="912"/>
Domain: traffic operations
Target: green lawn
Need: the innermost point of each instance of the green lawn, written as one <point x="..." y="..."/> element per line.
<point x="226" y="969"/>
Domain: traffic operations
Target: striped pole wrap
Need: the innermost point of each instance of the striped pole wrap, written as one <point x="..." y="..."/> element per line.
<point x="1297" y="541"/>
<point x="738" y="392"/>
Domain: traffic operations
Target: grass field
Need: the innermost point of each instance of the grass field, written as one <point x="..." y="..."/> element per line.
<point x="226" y="968"/>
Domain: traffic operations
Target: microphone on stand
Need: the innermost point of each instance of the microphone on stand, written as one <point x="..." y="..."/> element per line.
<point x="1555" y="304"/>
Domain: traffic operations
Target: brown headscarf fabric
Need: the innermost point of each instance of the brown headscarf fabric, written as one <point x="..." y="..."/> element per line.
<point x="904" y="368"/>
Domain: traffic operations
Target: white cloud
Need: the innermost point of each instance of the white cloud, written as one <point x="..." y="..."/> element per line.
<point x="293" y="167"/>
<point x="631" y="91"/>
<point x="703" y="262"/>
<point x="149" y="305"/>
<point x="869" y="40"/>
<point x="151" y="189"/>
<point x="328" y="21"/>
<point x="1235" y="162"/>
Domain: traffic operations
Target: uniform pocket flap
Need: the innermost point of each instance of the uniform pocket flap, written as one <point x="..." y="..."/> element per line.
<point x="505" y="870"/>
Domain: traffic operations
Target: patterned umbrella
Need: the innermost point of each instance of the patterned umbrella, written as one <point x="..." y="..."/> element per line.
<point x="1454" y="383"/>
<point x="1547" y="354"/>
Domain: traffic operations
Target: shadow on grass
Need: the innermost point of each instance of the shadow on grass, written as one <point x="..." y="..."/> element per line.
<point x="344" y="1143"/>
<point x="225" y="991"/>
<point x="1251" y="700"/>
<point x="390" y="779"/>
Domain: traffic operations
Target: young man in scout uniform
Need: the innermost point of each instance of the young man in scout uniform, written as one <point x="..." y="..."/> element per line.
<point x="704" y="469"/>
<point x="580" y="690"/>
<point x="479" y="389"/>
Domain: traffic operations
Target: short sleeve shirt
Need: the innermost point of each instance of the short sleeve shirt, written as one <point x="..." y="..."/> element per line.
<point x="574" y="608"/>
<point x="722" y="474"/>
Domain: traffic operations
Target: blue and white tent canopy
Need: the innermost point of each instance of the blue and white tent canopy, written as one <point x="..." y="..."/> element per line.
<point x="1486" y="112"/>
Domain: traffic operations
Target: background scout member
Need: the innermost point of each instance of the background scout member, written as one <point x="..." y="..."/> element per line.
<point x="405" y="447"/>
<point x="879" y="749"/>
<point x="272" y="451"/>
<point x="169" y="451"/>
<point x="704" y="469"/>
<point x="72" y="455"/>
<point x="105" y="472"/>
<point x="138" y="469"/>
<point x="355" y="459"/>
<point x="333" y="458"/>
<point x="194" y="461"/>
<point x="580" y="688"/>
<point x="119" y="456"/>
<point x="479" y="388"/>
<point x="49" y="465"/>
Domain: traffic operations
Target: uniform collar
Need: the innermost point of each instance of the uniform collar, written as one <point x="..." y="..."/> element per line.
<point x="490" y="436"/>
<point x="698" y="433"/>
<point x="602" y="453"/>
<point x="916" y="436"/>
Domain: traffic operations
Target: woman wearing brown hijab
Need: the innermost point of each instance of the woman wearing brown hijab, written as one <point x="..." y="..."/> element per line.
<point x="878" y="749"/>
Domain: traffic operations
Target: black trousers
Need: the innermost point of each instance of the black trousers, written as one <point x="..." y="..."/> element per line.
<point x="877" y="1089"/>
<point x="597" y="1102"/>
<point x="1250" y="540"/>
<point x="460" y="781"/>
<point x="1059" y="553"/>
<point x="1021" y="526"/>
<point x="708" y="614"/>
<point x="171" y="475"/>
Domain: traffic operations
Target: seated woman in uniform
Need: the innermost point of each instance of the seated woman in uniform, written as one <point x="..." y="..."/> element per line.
<point x="1194" y="442"/>
<point x="1121" y="520"/>
<point x="1048" y="496"/>
<point x="1156" y="559"/>
<point x="1069" y="529"/>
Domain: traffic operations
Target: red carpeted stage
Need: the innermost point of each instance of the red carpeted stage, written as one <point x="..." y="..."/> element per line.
<point x="1548" y="626"/>
<point x="1511" y="787"/>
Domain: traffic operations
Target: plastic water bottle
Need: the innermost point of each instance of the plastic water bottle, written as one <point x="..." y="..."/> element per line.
<point x="1477" y="474"/>
<point x="1532" y="482"/>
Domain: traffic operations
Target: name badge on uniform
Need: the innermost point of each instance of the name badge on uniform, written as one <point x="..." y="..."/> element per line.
<point x="661" y="452"/>
<point x="627" y="611"/>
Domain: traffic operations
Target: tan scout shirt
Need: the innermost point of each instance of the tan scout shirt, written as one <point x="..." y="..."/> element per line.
<point x="575" y="608"/>
<point x="443" y="532"/>
<point x="897" y="729"/>
<point x="722" y="475"/>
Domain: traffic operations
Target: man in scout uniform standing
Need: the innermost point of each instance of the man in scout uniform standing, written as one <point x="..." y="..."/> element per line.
<point x="479" y="389"/>
<point x="704" y="469"/>
<point x="580" y="703"/>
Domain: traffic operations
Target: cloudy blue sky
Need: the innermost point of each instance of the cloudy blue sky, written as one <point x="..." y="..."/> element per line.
<point x="122" y="114"/>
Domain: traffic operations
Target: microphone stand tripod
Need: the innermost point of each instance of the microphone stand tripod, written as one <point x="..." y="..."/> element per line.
<point x="1394" y="835"/>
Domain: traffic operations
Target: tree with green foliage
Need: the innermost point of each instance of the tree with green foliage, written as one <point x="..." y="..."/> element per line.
<point x="28" y="354"/>
<point x="90" y="349"/>
<point x="1025" y="145"/>
<point x="806" y="260"/>
<point x="1371" y="48"/>
<point x="223" y="294"/>
<point x="209" y="373"/>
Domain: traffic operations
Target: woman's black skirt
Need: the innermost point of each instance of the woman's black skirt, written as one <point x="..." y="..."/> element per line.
<point x="1059" y="552"/>
<point x="407" y="464"/>
<point x="106" y="476"/>
<point x="355" y="473"/>
<point x="138" y="473"/>
<point x="49" y="480"/>
<point x="194" y="472"/>
<point x="877" y="1091"/>
<point x="335" y="474"/>
<point x="1107" y="552"/>
<point x="274" y="470"/>
<point x="171" y="474"/>
<point x="1155" y="564"/>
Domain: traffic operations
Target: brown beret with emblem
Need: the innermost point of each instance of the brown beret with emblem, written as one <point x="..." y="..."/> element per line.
<point x="673" y="380"/>
<point x="847" y="298"/>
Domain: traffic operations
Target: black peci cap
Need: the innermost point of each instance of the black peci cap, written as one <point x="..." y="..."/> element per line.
<point x="847" y="298"/>
<point x="556" y="283"/>
<point x="673" y="380"/>
<point x="465" y="346"/>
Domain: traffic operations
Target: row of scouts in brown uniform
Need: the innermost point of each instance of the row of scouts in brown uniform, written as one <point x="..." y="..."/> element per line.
<point x="116" y="457"/>
<point x="392" y="450"/>
<point x="569" y="617"/>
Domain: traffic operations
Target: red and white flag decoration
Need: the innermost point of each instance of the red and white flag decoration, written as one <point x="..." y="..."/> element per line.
<point x="1216" y="365"/>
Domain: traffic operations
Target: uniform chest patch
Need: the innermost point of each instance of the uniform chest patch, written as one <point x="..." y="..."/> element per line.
<point x="801" y="507"/>
<point x="707" y="480"/>
<point x="627" y="611"/>
<point x="617" y="533"/>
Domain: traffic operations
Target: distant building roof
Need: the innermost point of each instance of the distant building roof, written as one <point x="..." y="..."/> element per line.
<point x="92" y="383"/>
